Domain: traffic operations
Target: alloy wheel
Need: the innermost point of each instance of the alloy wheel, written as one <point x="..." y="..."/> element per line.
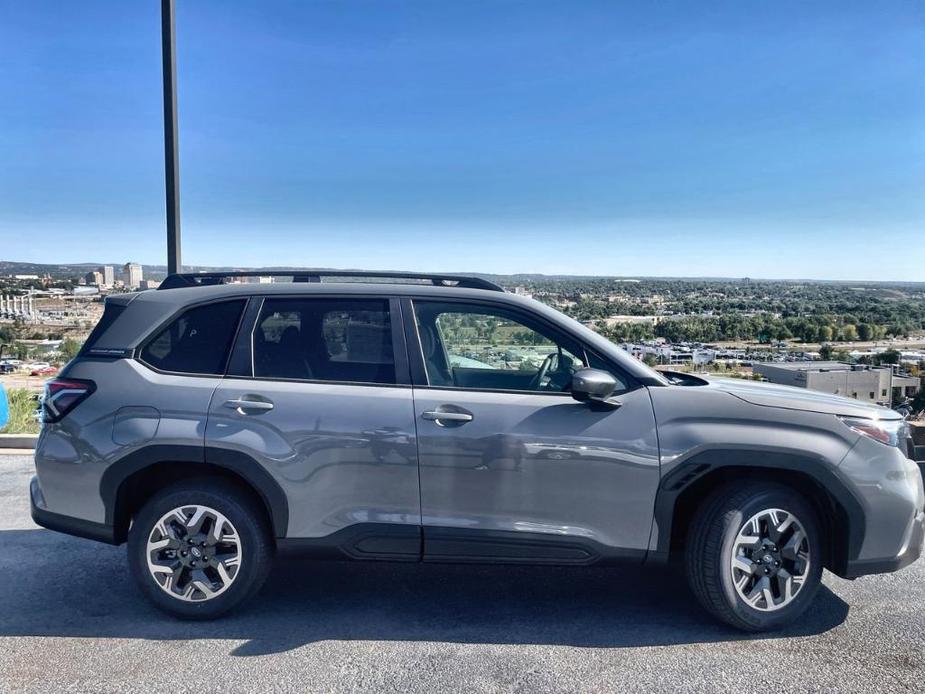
<point x="770" y="559"/>
<point x="194" y="553"/>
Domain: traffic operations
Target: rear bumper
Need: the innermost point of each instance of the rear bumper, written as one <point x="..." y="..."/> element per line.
<point x="910" y="552"/>
<point x="66" y="524"/>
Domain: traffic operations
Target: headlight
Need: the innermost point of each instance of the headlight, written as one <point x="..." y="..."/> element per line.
<point x="890" y="432"/>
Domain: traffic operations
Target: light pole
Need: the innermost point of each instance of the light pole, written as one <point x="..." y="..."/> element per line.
<point x="171" y="148"/>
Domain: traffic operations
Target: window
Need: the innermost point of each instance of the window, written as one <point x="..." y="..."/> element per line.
<point x="484" y="347"/>
<point x="347" y="340"/>
<point x="872" y="395"/>
<point x="197" y="342"/>
<point x="111" y="312"/>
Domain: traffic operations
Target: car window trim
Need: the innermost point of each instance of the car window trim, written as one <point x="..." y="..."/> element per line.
<point x="315" y="381"/>
<point x="241" y="361"/>
<point x="463" y="389"/>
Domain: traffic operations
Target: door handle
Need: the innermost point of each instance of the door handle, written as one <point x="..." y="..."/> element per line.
<point x="241" y="405"/>
<point x="437" y="416"/>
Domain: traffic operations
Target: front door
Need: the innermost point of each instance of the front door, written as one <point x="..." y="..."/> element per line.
<point x="327" y="412"/>
<point x="512" y="468"/>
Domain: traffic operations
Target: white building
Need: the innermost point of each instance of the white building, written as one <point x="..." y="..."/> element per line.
<point x="877" y="384"/>
<point x="132" y="275"/>
<point x="109" y="275"/>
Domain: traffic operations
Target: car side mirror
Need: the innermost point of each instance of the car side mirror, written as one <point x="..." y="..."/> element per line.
<point x="595" y="387"/>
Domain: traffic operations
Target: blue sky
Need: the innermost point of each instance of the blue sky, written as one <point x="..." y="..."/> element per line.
<point x="720" y="139"/>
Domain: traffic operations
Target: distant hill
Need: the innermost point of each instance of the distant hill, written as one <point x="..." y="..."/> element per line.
<point x="158" y="272"/>
<point x="71" y="270"/>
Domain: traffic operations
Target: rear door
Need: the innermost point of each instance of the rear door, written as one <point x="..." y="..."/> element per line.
<point x="318" y="393"/>
<point x="512" y="467"/>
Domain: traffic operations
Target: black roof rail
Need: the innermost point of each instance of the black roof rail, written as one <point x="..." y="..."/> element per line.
<point x="200" y="279"/>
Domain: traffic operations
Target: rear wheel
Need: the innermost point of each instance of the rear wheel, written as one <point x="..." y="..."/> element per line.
<point x="199" y="548"/>
<point x="754" y="555"/>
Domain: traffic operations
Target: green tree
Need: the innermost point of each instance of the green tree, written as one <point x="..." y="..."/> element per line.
<point x="891" y="356"/>
<point x="69" y="348"/>
<point x="866" y="332"/>
<point x="848" y="332"/>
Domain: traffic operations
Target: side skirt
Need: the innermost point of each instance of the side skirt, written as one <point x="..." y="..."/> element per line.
<point x="464" y="545"/>
<point x="375" y="541"/>
<point x="393" y="542"/>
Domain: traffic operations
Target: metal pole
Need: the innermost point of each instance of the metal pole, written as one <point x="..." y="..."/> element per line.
<point x="171" y="148"/>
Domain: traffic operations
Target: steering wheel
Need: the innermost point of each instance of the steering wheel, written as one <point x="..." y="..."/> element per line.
<point x="550" y="363"/>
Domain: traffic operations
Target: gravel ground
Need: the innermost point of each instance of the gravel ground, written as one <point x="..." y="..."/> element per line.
<point x="71" y="620"/>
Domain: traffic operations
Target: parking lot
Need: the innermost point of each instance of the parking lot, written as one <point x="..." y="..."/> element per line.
<point x="71" y="620"/>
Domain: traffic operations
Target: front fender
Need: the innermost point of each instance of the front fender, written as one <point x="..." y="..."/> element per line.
<point x="695" y="469"/>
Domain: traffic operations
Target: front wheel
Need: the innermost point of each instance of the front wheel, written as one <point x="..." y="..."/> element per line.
<point x="754" y="555"/>
<point x="199" y="548"/>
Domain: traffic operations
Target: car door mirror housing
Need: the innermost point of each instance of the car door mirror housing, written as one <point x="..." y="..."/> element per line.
<point x="595" y="387"/>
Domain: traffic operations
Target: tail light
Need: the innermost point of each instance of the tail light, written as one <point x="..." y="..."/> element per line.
<point x="62" y="395"/>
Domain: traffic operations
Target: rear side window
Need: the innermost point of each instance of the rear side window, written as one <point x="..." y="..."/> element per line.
<point x="111" y="312"/>
<point x="345" y="340"/>
<point x="197" y="342"/>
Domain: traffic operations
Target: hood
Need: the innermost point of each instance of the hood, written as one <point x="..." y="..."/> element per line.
<point x="793" y="398"/>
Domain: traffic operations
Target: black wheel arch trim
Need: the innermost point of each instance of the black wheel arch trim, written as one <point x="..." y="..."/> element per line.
<point x="241" y="464"/>
<point x="693" y="469"/>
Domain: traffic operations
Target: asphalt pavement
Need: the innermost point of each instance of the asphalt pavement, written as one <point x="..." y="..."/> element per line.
<point x="71" y="620"/>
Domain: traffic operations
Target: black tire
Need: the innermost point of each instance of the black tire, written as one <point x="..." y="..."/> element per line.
<point x="247" y="517"/>
<point x="710" y="543"/>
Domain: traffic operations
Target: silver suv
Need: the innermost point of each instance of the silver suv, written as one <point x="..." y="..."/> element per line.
<point x="440" y="419"/>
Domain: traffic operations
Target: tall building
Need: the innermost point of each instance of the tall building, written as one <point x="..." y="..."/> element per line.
<point x="94" y="278"/>
<point x="132" y="275"/>
<point x="109" y="275"/>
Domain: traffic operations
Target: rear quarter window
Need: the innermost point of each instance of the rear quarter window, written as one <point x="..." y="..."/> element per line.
<point x="197" y="341"/>
<point x="111" y="311"/>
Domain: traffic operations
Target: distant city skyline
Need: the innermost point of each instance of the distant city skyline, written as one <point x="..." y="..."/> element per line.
<point x="89" y="267"/>
<point x="721" y="140"/>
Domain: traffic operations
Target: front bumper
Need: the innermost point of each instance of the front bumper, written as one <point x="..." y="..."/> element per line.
<point x="909" y="553"/>
<point x="66" y="524"/>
